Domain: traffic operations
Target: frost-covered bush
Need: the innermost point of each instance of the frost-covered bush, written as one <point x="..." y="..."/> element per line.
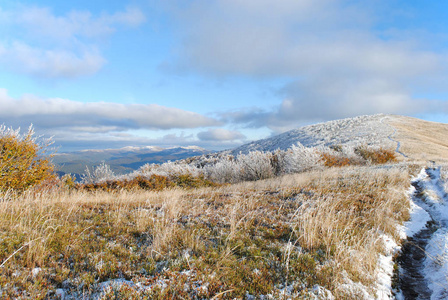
<point x="226" y="170"/>
<point x="100" y="173"/>
<point x="300" y="158"/>
<point x="255" y="165"/>
<point x="171" y="169"/>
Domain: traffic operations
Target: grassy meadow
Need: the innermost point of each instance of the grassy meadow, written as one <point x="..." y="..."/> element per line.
<point x="304" y="223"/>
<point x="287" y="234"/>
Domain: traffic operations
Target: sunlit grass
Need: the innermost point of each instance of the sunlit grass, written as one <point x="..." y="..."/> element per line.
<point x="299" y="231"/>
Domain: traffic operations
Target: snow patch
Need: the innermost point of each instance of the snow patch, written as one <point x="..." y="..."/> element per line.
<point x="417" y="221"/>
<point x="386" y="268"/>
<point x="436" y="264"/>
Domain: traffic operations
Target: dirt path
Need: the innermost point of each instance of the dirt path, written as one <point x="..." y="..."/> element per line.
<point x="390" y="137"/>
<point x="412" y="279"/>
<point x="421" y="274"/>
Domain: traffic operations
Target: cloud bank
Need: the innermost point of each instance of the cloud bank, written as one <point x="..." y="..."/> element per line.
<point x="98" y="122"/>
<point x="332" y="57"/>
<point x="96" y="116"/>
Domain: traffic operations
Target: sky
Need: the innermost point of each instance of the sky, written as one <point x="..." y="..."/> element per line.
<point x="215" y="73"/>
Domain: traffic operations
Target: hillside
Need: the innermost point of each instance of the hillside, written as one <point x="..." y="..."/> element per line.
<point x="419" y="139"/>
<point x="416" y="139"/>
<point x="359" y="130"/>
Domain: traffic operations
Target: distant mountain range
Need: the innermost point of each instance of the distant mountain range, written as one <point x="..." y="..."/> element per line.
<point x="123" y="160"/>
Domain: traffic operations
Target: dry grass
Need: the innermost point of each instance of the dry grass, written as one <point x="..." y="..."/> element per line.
<point x="420" y="140"/>
<point x="255" y="237"/>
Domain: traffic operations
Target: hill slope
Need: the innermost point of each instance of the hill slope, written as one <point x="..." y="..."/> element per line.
<point x="419" y="139"/>
<point x="413" y="138"/>
<point x="363" y="129"/>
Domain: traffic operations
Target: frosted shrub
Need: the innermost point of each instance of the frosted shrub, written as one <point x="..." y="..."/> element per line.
<point x="278" y="162"/>
<point x="225" y="170"/>
<point x="100" y="173"/>
<point x="255" y="165"/>
<point x="171" y="169"/>
<point x="252" y="166"/>
<point x="349" y="151"/>
<point x="300" y="158"/>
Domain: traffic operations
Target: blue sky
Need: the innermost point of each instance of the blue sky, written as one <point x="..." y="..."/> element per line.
<point x="215" y="73"/>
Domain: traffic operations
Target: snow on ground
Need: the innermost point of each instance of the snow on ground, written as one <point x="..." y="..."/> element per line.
<point x="432" y="206"/>
<point x="386" y="268"/>
<point x="436" y="264"/>
<point x="418" y="220"/>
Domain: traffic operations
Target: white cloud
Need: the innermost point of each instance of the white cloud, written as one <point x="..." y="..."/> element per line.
<point x="42" y="44"/>
<point x="131" y="17"/>
<point x="79" y="125"/>
<point x="51" y="63"/>
<point x="105" y="117"/>
<point x="40" y="21"/>
<point x="220" y="134"/>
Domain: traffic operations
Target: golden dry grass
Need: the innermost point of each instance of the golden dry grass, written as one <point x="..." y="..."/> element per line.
<point x="320" y="227"/>
<point x="420" y="140"/>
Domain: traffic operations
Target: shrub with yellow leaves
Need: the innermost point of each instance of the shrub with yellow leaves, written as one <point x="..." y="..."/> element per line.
<point x="23" y="160"/>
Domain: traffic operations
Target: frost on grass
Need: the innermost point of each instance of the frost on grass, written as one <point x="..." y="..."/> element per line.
<point x="362" y="130"/>
<point x="312" y="235"/>
<point x="354" y="141"/>
<point x="254" y="165"/>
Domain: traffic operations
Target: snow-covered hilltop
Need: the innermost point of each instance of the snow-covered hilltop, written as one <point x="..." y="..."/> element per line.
<point x="369" y="130"/>
<point x="412" y="138"/>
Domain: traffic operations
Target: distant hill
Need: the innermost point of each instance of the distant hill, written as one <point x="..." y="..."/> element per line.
<point x="363" y="129"/>
<point x="122" y="160"/>
<point x="413" y="139"/>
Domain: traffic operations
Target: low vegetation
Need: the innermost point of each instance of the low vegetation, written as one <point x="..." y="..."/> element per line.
<point x="255" y="165"/>
<point x="153" y="182"/>
<point x="267" y="237"/>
